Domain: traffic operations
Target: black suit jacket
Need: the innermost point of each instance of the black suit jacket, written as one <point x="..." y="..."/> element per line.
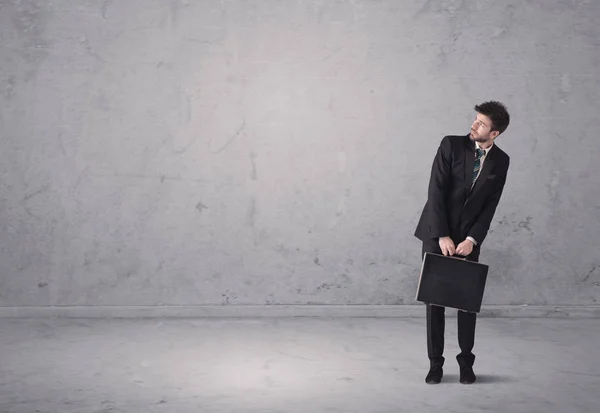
<point x="454" y="209"/>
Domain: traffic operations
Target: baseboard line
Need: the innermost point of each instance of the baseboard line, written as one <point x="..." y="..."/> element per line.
<point x="323" y="311"/>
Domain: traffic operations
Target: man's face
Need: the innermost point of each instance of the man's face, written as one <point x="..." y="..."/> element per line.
<point x="481" y="130"/>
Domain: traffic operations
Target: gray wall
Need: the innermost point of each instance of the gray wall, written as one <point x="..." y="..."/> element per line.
<point x="278" y="152"/>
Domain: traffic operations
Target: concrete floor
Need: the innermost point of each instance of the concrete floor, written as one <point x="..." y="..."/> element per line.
<point x="292" y="365"/>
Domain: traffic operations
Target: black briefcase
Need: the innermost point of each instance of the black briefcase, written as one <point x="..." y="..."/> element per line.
<point x="453" y="282"/>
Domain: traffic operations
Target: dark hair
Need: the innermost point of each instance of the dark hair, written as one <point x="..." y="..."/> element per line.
<point x="497" y="112"/>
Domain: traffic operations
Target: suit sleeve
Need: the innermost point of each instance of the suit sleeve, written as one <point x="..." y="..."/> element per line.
<point x="438" y="185"/>
<point x="482" y="225"/>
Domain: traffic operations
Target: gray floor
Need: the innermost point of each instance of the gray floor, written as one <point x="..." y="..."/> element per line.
<point x="292" y="365"/>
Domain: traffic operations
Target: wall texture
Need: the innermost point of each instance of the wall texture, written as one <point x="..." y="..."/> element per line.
<point x="278" y="152"/>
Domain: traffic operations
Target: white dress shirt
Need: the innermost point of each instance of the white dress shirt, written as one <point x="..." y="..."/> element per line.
<point x="481" y="161"/>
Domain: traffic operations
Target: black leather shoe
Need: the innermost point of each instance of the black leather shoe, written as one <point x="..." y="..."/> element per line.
<point x="434" y="376"/>
<point x="467" y="376"/>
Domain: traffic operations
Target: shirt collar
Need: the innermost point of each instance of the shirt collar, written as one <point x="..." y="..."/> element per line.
<point x="486" y="151"/>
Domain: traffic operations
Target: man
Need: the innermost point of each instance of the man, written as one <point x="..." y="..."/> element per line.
<point x="466" y="183"/>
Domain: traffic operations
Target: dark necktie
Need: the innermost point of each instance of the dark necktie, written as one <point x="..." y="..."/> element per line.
<point x="477" y="165"/>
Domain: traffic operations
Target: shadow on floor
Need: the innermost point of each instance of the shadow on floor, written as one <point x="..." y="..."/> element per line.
<point x="494" y="378"/>
<point x="481" y="378"/>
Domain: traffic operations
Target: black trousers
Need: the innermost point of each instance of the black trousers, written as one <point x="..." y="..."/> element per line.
<point x="436" y="321"/>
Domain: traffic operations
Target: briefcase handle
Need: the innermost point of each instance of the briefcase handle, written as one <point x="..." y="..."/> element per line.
<point x="449" y="256"/>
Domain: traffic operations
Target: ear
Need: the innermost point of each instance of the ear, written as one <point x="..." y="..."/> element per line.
<point x="494" y="134"/>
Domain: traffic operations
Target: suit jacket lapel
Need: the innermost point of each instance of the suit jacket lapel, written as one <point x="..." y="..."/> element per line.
<point x="469" y="163"/>
<point x="485" y="171"/>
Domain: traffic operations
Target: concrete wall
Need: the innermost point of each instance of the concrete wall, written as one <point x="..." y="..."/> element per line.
<point x="278" y="152"/>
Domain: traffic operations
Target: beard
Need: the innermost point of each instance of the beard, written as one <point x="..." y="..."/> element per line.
<point x="478" y="138"/>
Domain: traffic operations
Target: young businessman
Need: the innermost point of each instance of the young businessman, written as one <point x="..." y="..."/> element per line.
<point x="466" y="183"/>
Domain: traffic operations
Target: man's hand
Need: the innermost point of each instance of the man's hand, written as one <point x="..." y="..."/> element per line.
<point x="464" y="248"/>
<point x="447" y="245"/>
